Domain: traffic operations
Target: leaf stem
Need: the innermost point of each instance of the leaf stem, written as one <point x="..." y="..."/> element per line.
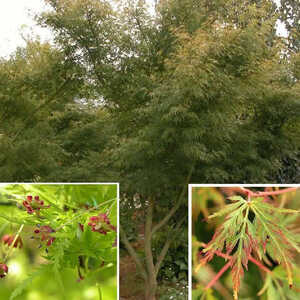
<point x="260" y="265"/>
<point x="99" y="291"/>
<point x="220" y="273"/>
<point x="83" y="212"/>
<point x="252" y="194"/>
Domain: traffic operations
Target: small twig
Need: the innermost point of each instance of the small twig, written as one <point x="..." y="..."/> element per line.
<point x="260" y="265"/>
<point x="110" y="208"/>
<point x="85" y="211"/>
<point x="220" y="273"/>
<point x="219" y="253"/>
<point x="252" y="194"/>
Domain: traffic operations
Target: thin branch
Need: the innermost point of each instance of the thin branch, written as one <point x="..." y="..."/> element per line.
<point x="176" y="206"/>
<point x="220" y="273"/>
<point x="252" y="194"/>
<point x="273" y="193"/>
<point x="86" y="211"/>
<point x="166" y="246"/>
<point x="218" y="285"/>
<point x="148" y="241"/>
<point x="162" y="255"/>
<point x="132" y="252"/>
<point x="260" y="265"/>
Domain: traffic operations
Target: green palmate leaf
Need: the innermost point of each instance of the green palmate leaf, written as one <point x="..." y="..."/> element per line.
<point x="240" y="257"/>
<point x="58" y="278"/>
<point x="268" y="207"/>
<point x="275" y="286"/>
<point x="274" y="237"/>
<point x="234" y="233"/>
<point x="227" y="209"/>
<point x="272" y="293"/>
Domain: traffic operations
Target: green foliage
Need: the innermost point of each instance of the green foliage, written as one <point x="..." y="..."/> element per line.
<point x="66" y="210"/>
<point x="124" y="91"/>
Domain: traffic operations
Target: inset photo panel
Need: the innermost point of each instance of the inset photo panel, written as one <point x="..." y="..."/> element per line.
<point x="59" y="241"/>
<point x="154" y="246"/>
<point x="244" y="242"/>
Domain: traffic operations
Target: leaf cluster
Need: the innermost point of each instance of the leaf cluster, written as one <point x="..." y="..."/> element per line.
<point x="254" y="228"/>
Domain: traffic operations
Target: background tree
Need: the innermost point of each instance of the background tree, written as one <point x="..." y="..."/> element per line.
<point x="290" y="15"/>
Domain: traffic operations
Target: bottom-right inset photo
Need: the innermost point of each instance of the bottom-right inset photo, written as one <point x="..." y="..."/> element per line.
<point x="244" y="242"/>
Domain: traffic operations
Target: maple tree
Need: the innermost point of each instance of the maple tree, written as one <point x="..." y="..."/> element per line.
<point x="256" y="228"/>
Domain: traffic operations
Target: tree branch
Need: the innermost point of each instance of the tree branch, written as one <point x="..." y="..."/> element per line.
<point x="166" y="247"/>
<point x="273" y="193"/>
<point x="148" y="241"/>
<point x="176" y="206"/>
<point x="132" y="253"/>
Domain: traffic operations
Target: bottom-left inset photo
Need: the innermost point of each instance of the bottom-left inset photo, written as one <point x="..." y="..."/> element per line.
<point x="59" y="241"/>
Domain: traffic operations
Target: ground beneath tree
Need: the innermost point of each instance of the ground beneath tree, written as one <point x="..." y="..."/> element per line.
<point x="131" y="284"/>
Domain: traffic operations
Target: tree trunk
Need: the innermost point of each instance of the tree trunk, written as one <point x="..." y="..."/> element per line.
<point x="151" y="282"/>
<point x="150" y="290"/>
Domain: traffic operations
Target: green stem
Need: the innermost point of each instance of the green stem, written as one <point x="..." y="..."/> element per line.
<point x="85" y="211"/>
<point x="99" y="291"/>
<point x="110" y="208"/>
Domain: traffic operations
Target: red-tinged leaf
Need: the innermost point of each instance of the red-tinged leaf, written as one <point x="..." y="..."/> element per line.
<point x="237" y="273"/>
<point x="263" y="234"/>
